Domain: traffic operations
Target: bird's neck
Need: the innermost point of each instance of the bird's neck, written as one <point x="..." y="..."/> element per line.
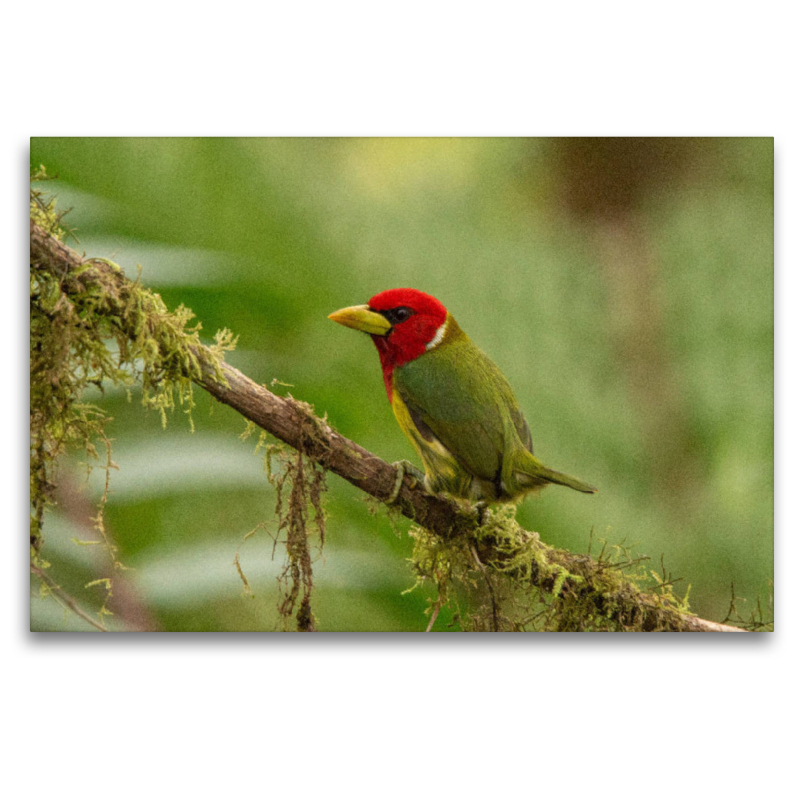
<point x="395" y="354"/>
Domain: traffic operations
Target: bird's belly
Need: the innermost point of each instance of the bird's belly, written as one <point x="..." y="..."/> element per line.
<point x="443" y="472"/>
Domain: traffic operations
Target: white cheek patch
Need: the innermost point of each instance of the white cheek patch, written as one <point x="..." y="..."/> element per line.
<point x="437" y="337"/>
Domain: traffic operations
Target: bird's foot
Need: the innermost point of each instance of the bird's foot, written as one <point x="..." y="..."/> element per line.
<point x="481" y="507"/>
<point x="404" y="468"/>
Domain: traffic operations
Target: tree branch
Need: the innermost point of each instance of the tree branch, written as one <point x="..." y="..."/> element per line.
<point x="294" y="423"/>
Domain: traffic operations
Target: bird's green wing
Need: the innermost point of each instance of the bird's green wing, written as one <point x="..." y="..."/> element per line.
<point x="458" y="395"/>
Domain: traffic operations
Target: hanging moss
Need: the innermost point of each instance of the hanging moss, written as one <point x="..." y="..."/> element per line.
<point x="90" y="327"/>
<point x="300" y="486"/>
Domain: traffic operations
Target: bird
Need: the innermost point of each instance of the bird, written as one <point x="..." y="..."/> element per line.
<point x="451" y="401"/>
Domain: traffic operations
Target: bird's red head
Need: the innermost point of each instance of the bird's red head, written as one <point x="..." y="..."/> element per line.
<point x="403" y="323"/>
<point x="415" y="318"/>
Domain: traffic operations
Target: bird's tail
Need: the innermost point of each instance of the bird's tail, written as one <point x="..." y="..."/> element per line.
<point x="529" y="467"/>
<point x="551" y="476"/>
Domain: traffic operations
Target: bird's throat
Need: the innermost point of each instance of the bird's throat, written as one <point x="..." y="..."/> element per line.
<point x="394" y="355"/>
<point x="396" y="351"/>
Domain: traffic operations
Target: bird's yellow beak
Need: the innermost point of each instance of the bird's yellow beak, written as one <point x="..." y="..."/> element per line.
<point x="362" y="319"/>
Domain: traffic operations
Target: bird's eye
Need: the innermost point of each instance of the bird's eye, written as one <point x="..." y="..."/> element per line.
<point x="400" y="314"/>
<point x="397" y="315"/>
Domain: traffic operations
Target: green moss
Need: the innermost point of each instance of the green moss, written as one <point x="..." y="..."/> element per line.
<point x="90" y="326"/>
<point x="503" y="578"/>
<point x="300" y="486"/>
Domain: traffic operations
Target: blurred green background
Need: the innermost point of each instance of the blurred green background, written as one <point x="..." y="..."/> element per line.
<point x="624" y="286"/>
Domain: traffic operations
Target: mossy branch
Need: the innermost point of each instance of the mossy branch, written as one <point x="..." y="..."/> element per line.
<point x="451" y="542"/>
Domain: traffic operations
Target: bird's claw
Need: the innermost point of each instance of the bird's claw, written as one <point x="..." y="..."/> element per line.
<point x="403" y="468"/>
